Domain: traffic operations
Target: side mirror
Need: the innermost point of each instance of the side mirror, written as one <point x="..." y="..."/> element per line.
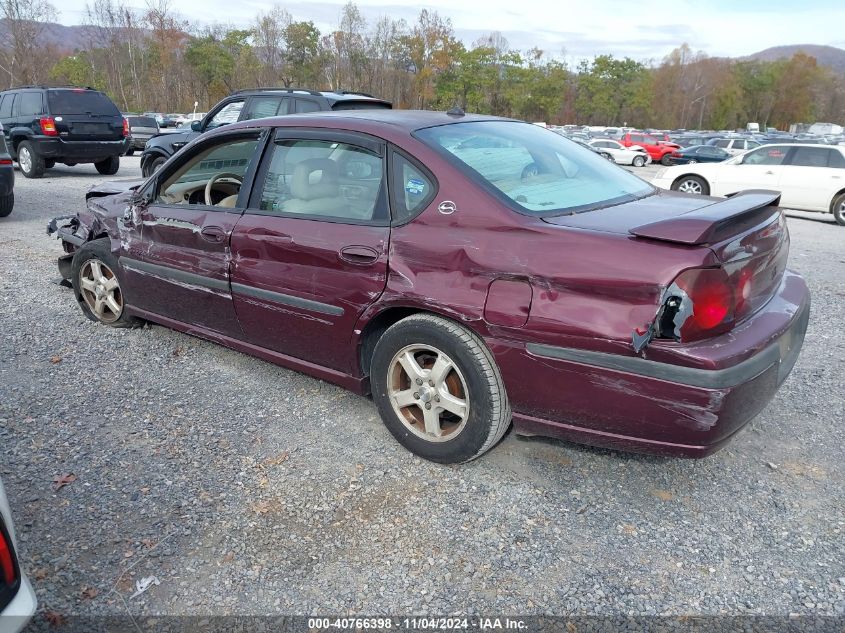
<point x="196" y="126"/>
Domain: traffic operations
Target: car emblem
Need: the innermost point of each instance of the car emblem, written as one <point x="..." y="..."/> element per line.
<point x="447" y="207"/>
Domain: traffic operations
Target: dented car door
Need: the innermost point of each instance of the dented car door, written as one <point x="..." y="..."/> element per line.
<point x="180" y="265"/>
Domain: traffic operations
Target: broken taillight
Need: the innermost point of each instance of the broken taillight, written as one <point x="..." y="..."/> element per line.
<point x="48" y="126"/>
<point x="7" y="564"/>
<point x="700" y="303"/>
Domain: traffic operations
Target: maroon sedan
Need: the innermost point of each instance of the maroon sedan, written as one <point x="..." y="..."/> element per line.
<point x="467" y="271"/>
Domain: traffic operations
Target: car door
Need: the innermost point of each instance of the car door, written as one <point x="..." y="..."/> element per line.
<point x="176" y="249"/>
<point x="758" y="169"/>
<point x="310" y="252"/>
<point x="810" y="177"/>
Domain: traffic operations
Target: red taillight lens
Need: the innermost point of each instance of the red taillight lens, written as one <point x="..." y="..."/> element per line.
<point x="676" y="154"/>
<point x="7" y="564"/>
<point x="709" y="306"/>
<point x="5" y="161"/>
<point x="125" y="127"/>
<point x="48" y="126"/>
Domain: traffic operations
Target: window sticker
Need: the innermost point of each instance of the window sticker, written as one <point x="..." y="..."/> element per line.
<point x="414" y="187"/>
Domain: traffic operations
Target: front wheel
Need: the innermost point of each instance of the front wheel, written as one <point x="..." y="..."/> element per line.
<point x="154" y="165"/>
<point x="108" y="166"/>
<point x="96" y="279"/>
<point x="691" y="184"/>
<point x="666" y="160"/>
<point x="638" y="161"/>
<point x="438" y="389"/>
<point x="839" y="209"/>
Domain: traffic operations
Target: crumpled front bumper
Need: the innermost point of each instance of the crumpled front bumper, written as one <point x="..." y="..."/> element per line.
<point x="68" y="229"/>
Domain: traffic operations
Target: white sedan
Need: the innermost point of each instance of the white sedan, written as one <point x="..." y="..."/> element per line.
<point x="809" y="177"/>
<point x="17" y="599"/>
<point x="634" y="155"/>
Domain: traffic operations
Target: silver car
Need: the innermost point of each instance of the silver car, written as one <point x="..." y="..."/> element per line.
<point x="17" y="599"/>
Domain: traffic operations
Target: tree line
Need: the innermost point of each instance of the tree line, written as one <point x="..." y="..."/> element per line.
<point x="155" y="60"/>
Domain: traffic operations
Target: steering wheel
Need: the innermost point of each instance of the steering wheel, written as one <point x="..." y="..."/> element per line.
<point x="213" y="180"/>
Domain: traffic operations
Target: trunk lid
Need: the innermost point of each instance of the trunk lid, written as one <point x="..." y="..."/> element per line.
<point x="746" y="232"/>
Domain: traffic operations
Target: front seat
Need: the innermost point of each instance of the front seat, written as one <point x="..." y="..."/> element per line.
<point x="315" y="189"/>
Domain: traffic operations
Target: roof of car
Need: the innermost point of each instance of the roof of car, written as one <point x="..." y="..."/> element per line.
<point x="403" y="119"/>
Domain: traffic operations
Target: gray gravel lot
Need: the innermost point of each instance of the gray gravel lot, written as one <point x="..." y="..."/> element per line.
<point x="246" y="488"/>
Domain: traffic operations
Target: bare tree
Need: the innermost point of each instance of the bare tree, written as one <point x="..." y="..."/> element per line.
<point x="23" y="61"/>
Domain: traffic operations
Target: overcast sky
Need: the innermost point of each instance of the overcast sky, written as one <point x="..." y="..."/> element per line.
<point x="642" y="29"/>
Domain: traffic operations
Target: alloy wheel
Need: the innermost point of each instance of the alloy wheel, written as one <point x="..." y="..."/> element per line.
<point x="428" y="393"/>
<point x="101" y="290"/>
<point x="25" y="159"/>
<point x="690" y="186"/>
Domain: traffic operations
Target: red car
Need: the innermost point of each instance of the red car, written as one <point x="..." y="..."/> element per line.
<point x="467" y="271"/>
<point x="660" y="149"/>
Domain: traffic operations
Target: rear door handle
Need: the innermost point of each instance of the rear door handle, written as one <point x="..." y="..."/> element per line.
<point x="213" y="234"/>
<point x="359" y="255"/>
<point x="770" y="173"/>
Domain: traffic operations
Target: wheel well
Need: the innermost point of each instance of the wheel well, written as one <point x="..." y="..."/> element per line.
<point x="835" y="196"/>
<point x="682" y="176"/>
<point x="375" y="328"/>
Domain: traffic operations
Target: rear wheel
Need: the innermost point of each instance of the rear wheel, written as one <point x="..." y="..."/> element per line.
<point x="30" y="162"/>
<point x="839" y="209"/>
<point x="691" y="184"/>
<point x="438" y="389"/>
<point x="7" y="203"/>
<point x="108" y="166"/>
<point x="154" y="165"/>
<point x="638" y="161"/>
<point x="95" y="275"/>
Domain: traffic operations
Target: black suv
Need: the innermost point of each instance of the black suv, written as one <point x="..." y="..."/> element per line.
<point x="44" y="126"/>
<point x="255" y="103"/>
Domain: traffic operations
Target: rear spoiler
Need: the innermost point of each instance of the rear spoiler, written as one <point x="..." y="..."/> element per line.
<point x="705" y="224"/>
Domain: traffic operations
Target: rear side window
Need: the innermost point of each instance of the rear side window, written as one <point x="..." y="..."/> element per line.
<point x="412" y="189"/>
<point x="305" y="105"/>
<point x="31" y="104"/>
<point x="810" y="157"/>
<point x="262" y="107"/>
<point x="6" y="106"/>
<point x="80" y="102"/>
<point x="837" y="160"/>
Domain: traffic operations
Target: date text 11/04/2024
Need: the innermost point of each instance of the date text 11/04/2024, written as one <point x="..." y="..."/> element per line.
<point x="417" y="624"/>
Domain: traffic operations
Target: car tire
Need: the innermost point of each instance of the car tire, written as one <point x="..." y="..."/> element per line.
<point x="129" y="152"/>
<point x="154" y="165"/>
<point x="108" y="166"/>
<point x="638" y="161"/>
<point x="666" y="160"/>
<point x="405" y="380"/>
<point x="7" y="203"/>
<point x="691" y="184"/>
<point x="30" y="162"/>
<point x="691" y="161"/>
<point x="97" y="281"/>
<point x="838" y="209"/>
<point x="49" y="163"/>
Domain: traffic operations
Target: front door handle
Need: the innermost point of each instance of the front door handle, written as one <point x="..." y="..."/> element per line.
<point x="213" y="234"/>
<point x="359" y="255"/>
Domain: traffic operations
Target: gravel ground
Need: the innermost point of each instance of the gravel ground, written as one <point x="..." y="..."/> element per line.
<point x="245" y="488"/>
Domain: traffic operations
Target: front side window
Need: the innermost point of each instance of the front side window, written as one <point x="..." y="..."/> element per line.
<point x="229" y="113"/>
<point x="723" y="143"/>
<point x="224" y="166"/>
<point x="533" y="170"/>
<point x="320" y="178"/>
<point x="766" y="155"/>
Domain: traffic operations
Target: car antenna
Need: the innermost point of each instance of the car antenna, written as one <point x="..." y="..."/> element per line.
<point x="456" y="111"/>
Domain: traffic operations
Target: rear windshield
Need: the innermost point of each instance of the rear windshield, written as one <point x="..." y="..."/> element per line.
<point x="80" y="102"/>
<point x="532" y="169"/>
<point x="142" y="121"/>
<point x="361" y="105"/>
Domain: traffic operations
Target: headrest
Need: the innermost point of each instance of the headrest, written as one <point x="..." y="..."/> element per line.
<point x="315" y="178"/>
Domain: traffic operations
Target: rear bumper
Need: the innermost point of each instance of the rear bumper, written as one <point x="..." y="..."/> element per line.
<point x="78" y="151"/>
<point x="19" y="611"/>
<point x="631" y="403"/>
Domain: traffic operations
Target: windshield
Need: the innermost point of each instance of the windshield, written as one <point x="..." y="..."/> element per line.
<point x="80" y="101"/>
<point x="534" y="170"/>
